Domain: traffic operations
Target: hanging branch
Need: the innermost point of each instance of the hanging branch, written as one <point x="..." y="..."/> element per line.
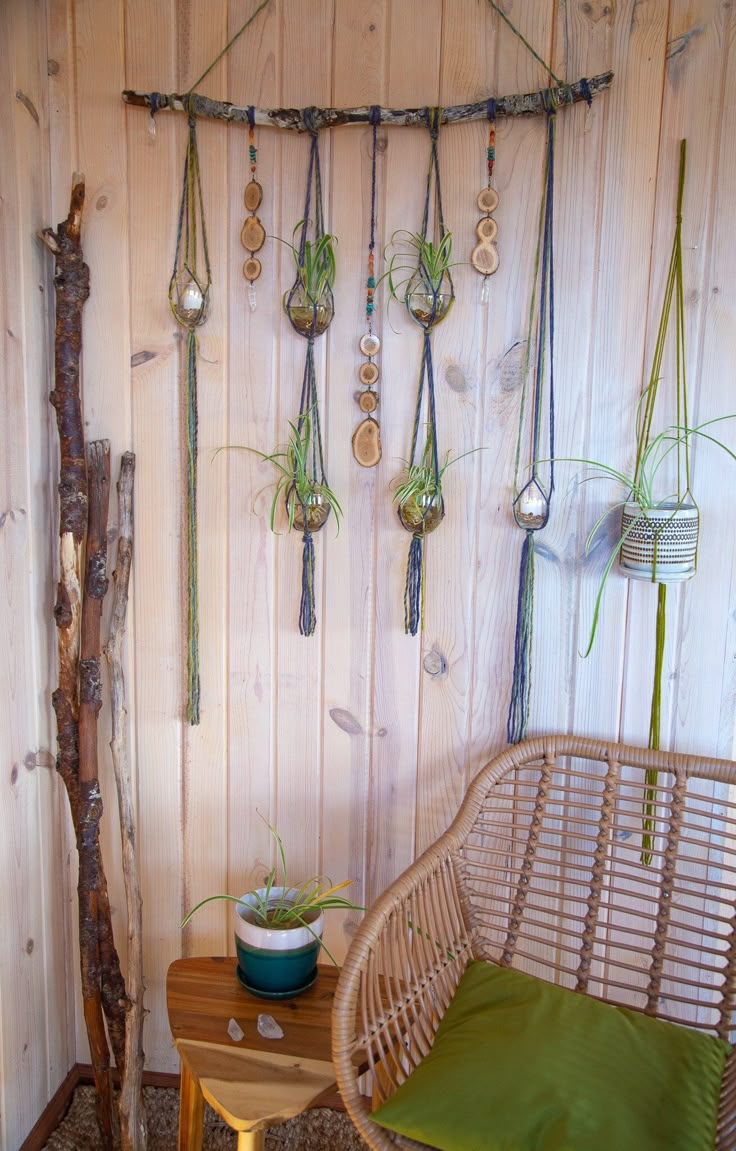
<point x="529" y="104"/>
<point x="133" y="1131"/>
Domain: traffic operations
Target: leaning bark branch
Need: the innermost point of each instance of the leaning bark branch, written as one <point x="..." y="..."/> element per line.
<point x="133" y="1130"/>
<point x="527" y="104"/>
<point x="90" y="799"/>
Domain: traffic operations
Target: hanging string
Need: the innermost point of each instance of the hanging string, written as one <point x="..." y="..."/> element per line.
<point x="189" y="290"/>
<point x="491" y="147"/>
<point x="228" y="46"/>
<point x="375" y="119"/>
<point x="531" y="504"/>
<point x="525" y="42"/>
<point x="309" y="317"/>
<point x="433" y="509"/>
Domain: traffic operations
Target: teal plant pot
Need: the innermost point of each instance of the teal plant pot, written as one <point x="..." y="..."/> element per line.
<point x="275" y="961"/>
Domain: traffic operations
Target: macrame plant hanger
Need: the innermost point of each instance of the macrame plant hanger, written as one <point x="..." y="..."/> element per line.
<point x="428" y="302"/>
<point x="310" y="313"/>
<point x="531" y="502"/>
<point x="189" y="296"/>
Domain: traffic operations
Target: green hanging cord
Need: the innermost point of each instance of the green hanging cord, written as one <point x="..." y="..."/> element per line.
<point x="655" y="722"/>
<point x="526" y="43"/>
<point x="228" y="46"/>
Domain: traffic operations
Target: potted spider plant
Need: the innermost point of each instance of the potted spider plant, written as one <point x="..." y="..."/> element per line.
<point x="419" y="274"/>
<point x="417" y="490"/>
<point x="308" y="500"/>
<point x="278" y="929"/>
<point x="309" y="303"/>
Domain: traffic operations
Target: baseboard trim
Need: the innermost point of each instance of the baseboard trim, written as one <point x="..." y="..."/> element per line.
<point x="56" y="1109"/>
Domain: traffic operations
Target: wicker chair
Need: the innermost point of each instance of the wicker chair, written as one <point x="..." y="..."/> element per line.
<point x="604" y="868"/>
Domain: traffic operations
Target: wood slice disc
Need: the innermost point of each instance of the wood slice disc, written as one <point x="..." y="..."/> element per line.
<point x="252" y="268"/>
<point x="367" y="443"/>
<point x="368" y="374"/>
<point x="253" y="236"/>
<point x="488" y="200"/>
<point x="370" y="345"/>
<point x="484" y="259"/>
<point x="367" y="401"/>
<point x="253" y="196"/>
<point x="487" y="229"/>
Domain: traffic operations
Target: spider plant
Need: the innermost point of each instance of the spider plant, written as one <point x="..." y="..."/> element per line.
<point x="419" y="274"/>
<point x="640" y="488"/>
<point x="417" y="490"/>
<point x="279" y="904"/>
<point x="309" y="302"/>
<point x="295" y="482"/>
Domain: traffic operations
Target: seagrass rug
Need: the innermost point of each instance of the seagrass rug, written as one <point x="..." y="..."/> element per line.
<point x="317" y="1130"/>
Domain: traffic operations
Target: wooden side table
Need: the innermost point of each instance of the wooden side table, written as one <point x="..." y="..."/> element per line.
<point x="257" y="1082"/>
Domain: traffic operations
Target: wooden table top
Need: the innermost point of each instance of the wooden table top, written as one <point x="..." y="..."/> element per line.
<point x="203" y="995"/>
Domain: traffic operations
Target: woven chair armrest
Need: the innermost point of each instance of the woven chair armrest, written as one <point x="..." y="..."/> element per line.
<point x="399" y="976"/>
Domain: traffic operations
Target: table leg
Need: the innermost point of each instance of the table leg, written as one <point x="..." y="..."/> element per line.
<point x="251" y="1140"/>
<point x="191" y="1111"/>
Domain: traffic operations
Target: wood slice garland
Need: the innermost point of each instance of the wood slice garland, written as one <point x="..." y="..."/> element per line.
<point x="253" y="196"/>
<point x="368" y="374"/>
<point x="367" y="443"/>
<point x="253" y="235"/>
<point x="368" y="401"/>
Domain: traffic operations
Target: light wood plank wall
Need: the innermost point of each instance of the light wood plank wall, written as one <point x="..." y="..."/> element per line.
<point x="349" y="742"/>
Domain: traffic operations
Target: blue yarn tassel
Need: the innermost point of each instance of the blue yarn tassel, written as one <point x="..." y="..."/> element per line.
<point x="307" y="612"/>
<point x="192" y="542"/>
<point x="413" y="587"/>
<point x="518" y="717"/>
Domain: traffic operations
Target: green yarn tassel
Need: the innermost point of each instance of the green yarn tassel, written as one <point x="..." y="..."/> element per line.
<point x="192" y="543"/>
<point x="521" y="686"/>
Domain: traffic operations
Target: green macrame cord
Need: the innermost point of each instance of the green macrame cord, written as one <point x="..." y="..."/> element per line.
<point x="189" y="289"/>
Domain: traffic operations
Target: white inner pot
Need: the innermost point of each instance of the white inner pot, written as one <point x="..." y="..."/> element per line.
<point x="274" y="938"/>
<point x="662" y="544"/>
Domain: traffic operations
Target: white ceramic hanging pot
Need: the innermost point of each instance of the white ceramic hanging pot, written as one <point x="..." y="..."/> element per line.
<point x="660" y="544"/>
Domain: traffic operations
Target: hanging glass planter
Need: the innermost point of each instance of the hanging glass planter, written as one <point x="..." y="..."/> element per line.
<point x="428" y="300"/>
<point x="421" y="514"/>
<point x="531" y="506"/>
<point x="189" y="299"/>
<point x="309" y="315"/>
<point x="307" y="512"/>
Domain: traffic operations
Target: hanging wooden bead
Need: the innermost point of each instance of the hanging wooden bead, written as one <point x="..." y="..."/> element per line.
<point x="253" y="235"/>
<point x="484" y="256"/>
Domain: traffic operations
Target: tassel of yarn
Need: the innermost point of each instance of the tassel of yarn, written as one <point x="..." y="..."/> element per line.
<point x="655" y="722"/>
<point x="518" y="717"/>
<point x="192" y="543"/>
<point x="307" y="611"/>
<point x="413" y="587"/>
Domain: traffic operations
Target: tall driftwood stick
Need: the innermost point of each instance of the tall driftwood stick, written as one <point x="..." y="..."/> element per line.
<point x="526" y="104"/>
<point x="71" y="282"/>
<point x="90" y="799"/>
<point x="133" y="1129"/>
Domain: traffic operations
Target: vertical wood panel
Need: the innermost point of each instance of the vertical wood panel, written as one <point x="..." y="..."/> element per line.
<point x="519" y="168"/>
<point x="358" y="78"/>
<point x="252" y="390"/>
<point x="413" y="79"/>
<point x="154" y="168"/>
<point x="202" y="33"/>
<point x="299" y="710"/>
<point x="34" y="1036"/>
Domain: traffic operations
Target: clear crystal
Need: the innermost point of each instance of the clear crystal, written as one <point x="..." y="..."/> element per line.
<point x="152" y="127"/>
<point x="485" y="290"/>
<point x="268" y="1028"/>
<point x="252" y="299"/>
<point x="235" y="1031"/>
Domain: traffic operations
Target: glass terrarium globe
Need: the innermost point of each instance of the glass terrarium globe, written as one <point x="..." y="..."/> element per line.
<point x="531" y="507"/>
<point x="315" y="504"/>
<point x="429" y="303"/>
<point x="310" y="316"/>
<point x="189" y="299"/>
<point x="421" y="514"/>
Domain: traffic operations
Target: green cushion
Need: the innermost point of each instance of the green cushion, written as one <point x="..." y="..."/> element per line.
<point x="521" y="1065"/>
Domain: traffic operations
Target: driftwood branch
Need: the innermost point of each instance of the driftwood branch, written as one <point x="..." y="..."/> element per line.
<point x="528" y="104"/>
<point x="103" y="986"/>
<point x="133" y="1130"/>
<point x="90" y="799"/>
